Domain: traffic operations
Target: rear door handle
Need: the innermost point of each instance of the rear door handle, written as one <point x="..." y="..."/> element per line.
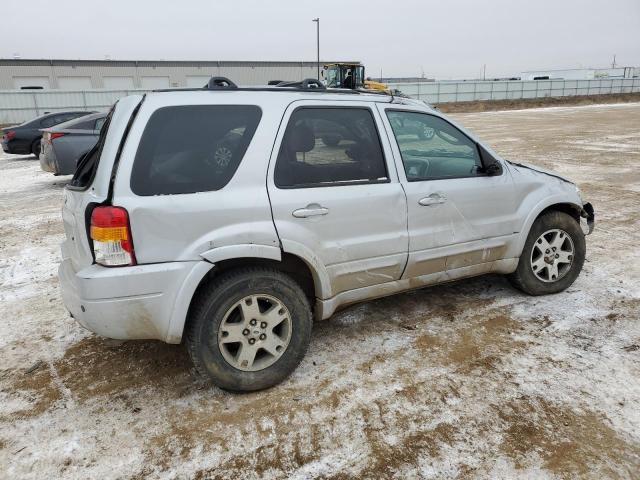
<point x="311" y="210"/>
<point x="433" y="199"/>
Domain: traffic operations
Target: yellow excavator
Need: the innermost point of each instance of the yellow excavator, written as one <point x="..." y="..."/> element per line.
<point x="350" y="75"/>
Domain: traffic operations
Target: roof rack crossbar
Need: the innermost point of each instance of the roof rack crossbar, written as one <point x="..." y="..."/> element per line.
<point x="306" y="84"/>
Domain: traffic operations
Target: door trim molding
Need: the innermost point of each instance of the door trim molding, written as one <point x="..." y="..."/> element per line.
<point x="326" y="308"/>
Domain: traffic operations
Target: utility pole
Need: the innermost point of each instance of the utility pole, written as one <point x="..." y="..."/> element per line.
<point x="317" y="20"/>
<point x="613" y="65"/>
<point x="484" y="71"/>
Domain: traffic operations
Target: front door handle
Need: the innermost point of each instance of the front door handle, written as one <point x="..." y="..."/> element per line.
<point x="433" y="199"/>
<point x="311" y="210"/>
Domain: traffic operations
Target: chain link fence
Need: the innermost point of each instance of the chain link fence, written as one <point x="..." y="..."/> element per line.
<point x="469" y="91"/>
<point x="19" y="106"/>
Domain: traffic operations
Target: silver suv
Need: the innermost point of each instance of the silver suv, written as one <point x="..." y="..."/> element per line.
<point x="233" y="217"/>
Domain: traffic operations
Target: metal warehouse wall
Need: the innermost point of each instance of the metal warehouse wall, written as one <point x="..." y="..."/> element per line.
<point x="101" y="74"/>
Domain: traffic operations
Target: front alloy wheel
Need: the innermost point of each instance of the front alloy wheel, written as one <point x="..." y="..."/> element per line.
<point x="552" y="255"/>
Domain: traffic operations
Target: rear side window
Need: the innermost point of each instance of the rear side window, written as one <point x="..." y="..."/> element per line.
<point x="50" y="121"/>
<point x="86" y="125"/>
<point x="192" y="148"/>
<point x="330" y="146"/>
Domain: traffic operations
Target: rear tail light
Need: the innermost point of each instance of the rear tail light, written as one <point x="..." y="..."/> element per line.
<point x="111" y="235"/>
<point x="10" y="134"/>
<point x="54" y="135"/>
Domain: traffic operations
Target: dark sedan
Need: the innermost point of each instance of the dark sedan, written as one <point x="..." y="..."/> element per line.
<point x="64" y="144"/>
<point x="25" y="138"/>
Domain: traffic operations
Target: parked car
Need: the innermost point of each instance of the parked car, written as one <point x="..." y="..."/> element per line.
<point x="25" y="138"/>
<point x="237" y="257"/>
<point x="63" y="145"/>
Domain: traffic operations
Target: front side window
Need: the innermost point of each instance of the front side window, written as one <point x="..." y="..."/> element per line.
<point x="330" y="146"/>
<point x="432" y="148"/>
<point x="192" y="148"/>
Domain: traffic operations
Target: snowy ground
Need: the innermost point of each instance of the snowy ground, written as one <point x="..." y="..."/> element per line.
<point x="469" y="380"/>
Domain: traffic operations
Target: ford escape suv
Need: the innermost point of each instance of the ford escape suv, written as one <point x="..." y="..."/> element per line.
<point x="220" y="217"/>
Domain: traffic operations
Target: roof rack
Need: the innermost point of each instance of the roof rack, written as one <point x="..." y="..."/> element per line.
<point x="308" y="85"/>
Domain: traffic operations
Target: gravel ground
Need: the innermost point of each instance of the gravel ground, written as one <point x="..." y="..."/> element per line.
<point x="467" y="380"/>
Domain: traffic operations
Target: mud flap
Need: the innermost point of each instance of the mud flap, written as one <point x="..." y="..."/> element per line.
<point x="589" y="214"/>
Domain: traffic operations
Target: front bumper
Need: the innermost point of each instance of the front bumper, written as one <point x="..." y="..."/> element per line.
<point x="589" y="216"/>
<point x="125" y="303"/>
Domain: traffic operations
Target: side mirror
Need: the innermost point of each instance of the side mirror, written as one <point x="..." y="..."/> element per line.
<point x="493" y="169"/>
<point x="491" y="165"/>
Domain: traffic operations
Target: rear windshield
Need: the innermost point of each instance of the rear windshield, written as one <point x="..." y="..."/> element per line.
<point x="88" y="164"/>
<point x="192" y="148"/>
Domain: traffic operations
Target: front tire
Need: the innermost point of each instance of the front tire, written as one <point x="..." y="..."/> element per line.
<point x="552" y="257"/>
<point x="249" y="329"/>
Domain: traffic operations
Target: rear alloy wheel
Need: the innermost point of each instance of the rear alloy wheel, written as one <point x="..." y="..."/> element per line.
<point x="553" y="255"/>
<point x="223" y="156"/>
<point x="426" y="132"/>
<point x="249" y="328"/>
<point x="255" y="332"/>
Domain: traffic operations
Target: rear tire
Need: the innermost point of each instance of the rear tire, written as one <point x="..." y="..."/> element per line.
<point x="552" y="257"/>
<point x="249" y="329"/>
<point x="35" y="148"/>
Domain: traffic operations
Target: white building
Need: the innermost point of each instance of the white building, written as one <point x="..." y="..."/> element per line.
<point x="581" y="73"/>
<point x="145" y="74"/>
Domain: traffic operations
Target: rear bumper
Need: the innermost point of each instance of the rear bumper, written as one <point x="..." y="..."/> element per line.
<point x="126" y="303"/>
<point x="6" y="147"/>
<point x="47" y="162"/>
<point x="14" y="146"/>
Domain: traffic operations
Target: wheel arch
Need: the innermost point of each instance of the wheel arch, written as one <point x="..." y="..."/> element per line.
<point x="552" y="204"/>
<point x="288" y="263"/>
<point x="33" y="144"/>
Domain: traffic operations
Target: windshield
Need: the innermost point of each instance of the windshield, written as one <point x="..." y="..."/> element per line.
<point x="332" y="77"/>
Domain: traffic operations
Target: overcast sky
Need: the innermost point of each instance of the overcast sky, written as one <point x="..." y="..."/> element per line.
<point x="442" y="38"/>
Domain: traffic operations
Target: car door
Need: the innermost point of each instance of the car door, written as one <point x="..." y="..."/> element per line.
<point x="335" y="195"/>
<point x="459" y="215"/>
